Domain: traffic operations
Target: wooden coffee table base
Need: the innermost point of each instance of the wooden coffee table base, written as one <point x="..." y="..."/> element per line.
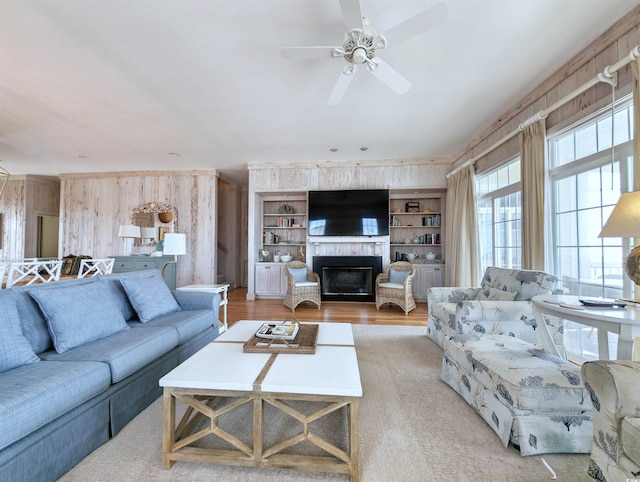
<point x="178" y="440"/>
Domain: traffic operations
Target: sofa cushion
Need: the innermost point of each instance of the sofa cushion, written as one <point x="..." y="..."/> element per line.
<point x="33" y="395"/>
<point x="299" y="274"/>
<point x="125" y="352"/>
<point x="495" y="294"/>
<point x="526" y="283"/>
<point x="398" y="276"/>
<point x="34" y="324"/>
<point x="79" y="314"/>
<point x="114" y="286"/>
<point x="15" y="349"/>
<point x="150" y="297"/>
<point x="187" y="323"/>
<point x="630" y="436"/>
<point x="521" y="375"/>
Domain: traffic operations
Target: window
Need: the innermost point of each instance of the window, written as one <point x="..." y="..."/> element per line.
<point x="500" y="217"/>
<point x="585" y="185"/>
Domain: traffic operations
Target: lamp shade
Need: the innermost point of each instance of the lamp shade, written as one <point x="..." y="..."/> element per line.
<point x="175" y="244"/>
<point x="129" y="231"/>
<point x="624" y="221"/>
<point x="148" y="233"/>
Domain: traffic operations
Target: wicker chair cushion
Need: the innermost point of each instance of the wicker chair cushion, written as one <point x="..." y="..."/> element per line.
<point x="303" y="284"/>
<point x="395" y="286"/>
<point x="299" y="274"/>
<point x="396" y="276"/>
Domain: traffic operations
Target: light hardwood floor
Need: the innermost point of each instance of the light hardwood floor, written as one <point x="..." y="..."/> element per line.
<point x="343" y="312"/>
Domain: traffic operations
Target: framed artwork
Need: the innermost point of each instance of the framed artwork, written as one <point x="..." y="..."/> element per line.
<point x="162" y="231"/>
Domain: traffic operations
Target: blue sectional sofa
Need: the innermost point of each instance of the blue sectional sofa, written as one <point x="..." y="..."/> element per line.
<point x="79" y="359"/>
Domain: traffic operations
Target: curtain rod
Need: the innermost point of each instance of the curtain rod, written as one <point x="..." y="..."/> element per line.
<point x="608" y="75"/>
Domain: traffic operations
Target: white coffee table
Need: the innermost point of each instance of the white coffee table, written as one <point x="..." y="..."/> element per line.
<point x="331" y="376"/>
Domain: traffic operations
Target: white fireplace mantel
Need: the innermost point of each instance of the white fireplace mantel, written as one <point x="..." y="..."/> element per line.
<point x="348" y="246"/>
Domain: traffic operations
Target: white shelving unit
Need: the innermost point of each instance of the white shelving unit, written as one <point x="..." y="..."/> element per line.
<point x="284" y="225"/>
<point x="416" y="222"/>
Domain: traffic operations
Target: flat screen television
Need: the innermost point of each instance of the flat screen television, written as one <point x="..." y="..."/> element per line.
<point x="349" y="213"/>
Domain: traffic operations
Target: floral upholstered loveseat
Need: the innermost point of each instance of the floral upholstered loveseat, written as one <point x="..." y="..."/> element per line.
<point x="493" y="360"/>
<point x="501" y="305"/>
<point x="615" y="450"/>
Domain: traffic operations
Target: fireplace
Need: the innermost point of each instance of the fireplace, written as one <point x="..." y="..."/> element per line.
<point x="347" y="278"/>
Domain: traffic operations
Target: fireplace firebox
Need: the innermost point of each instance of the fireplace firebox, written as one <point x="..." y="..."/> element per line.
<point x="347" y="278"/>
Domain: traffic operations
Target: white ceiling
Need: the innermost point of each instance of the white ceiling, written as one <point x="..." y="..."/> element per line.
<point x="106" y="85"/>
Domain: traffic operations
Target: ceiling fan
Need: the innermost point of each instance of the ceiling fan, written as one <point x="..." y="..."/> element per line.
<point x="361" y="41"/>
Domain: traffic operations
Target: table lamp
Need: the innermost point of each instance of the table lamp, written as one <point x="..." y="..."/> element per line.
<point x="624" y="222"/>
<point x="174" y="244"/>
<point x="147" y="235"/>
<point x="128" y="232"/>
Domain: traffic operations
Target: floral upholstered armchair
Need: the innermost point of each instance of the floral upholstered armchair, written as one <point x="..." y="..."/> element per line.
<point x="615" y="451"/>
<point x="501" y="305"/>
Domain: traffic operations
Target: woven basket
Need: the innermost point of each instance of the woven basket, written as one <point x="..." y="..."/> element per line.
<point x="303" y="344"/>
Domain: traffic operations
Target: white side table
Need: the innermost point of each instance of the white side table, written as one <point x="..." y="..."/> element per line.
<point x="220" y="288"/>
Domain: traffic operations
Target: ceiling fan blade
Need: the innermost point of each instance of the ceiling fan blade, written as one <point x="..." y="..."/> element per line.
<point x="318" y="52"/>
<point x="351" y="14"/>
<point x="340" y="88"/>
<point x="417" y="24"/>
<point x="391" y="78"/>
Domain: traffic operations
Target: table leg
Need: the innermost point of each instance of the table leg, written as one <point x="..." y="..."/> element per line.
<point x="625" y="343"/>
<point x="603" y="344"/>
<point x="169" y="436"/>
<point x="226" y="302"/>
<point x="545" y="335"/>
<point x="257" y="428"/>
<point x="354" y="408"/>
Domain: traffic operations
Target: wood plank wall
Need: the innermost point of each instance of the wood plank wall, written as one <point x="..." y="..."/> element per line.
<point x="610" y="47"/>
<point x="331" y="175"/>
<point x="25" y="198"/>
<point x="93" y="206"/>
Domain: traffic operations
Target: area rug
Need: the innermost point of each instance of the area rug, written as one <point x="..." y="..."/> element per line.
<point x="413" y="427"/>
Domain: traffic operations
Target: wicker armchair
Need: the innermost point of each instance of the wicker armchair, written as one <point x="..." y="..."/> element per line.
<point x="394" y="286"/>
<point x="302" y="285"/>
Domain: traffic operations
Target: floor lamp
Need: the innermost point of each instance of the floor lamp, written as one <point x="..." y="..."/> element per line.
<point x="174" y="244"/>
<point x="128" y="232"/>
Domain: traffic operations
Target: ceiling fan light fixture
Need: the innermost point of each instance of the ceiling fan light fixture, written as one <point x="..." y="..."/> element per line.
<point x="359" y="55"/>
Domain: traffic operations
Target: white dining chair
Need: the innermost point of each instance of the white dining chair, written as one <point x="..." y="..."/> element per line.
<point x="94" y="267"/>
<point x="29" y="272"/>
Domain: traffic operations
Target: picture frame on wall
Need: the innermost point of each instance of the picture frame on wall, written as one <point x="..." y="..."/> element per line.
<point x="162" y="230"/>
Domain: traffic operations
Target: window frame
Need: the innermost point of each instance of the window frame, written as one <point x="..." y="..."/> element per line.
<point x="489" y="198"/>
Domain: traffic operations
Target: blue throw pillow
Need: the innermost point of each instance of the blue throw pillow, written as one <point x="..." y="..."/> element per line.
<point x="79" y="314"/>
<point x="299" y="274"/>
<point x="396" y="276"/>
<point x="15" y="349"/>
<point x="150" y="297"/>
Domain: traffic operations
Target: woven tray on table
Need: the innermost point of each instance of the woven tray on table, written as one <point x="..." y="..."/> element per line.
<point x="303" y="344"/>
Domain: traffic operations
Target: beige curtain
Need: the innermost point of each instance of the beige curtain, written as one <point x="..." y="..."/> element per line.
<point x="461" y="243"/>
<point x="532" y="162"/>
<point x="635" y="66"/>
